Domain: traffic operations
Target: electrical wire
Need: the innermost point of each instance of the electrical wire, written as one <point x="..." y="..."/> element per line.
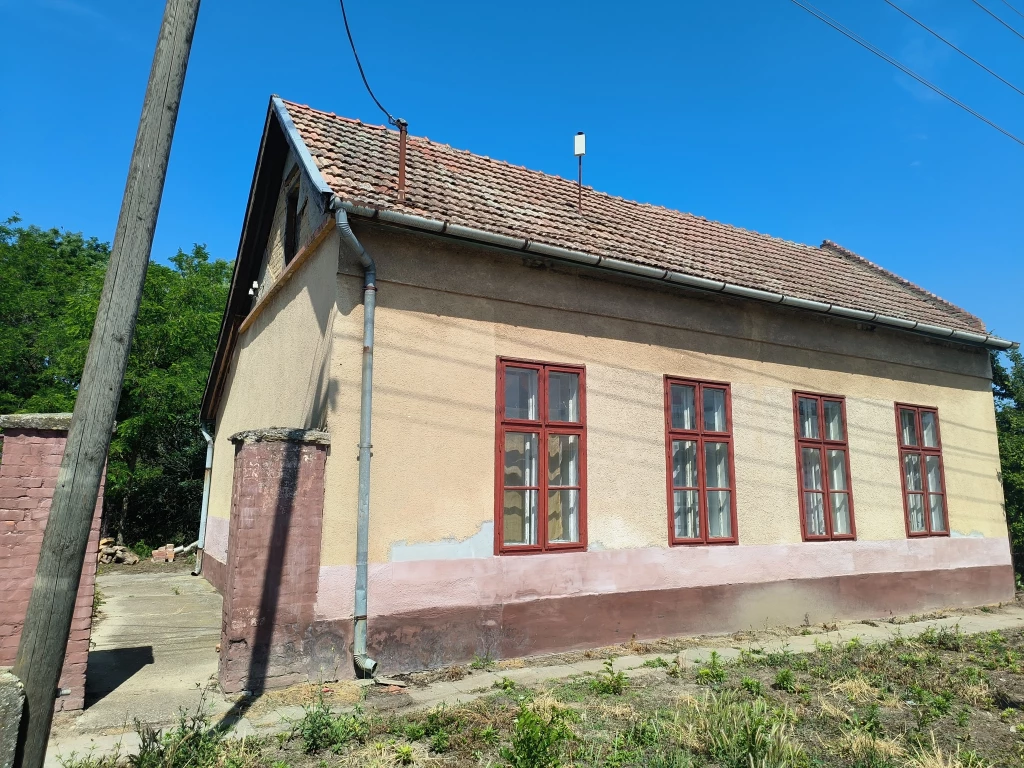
<point x="359" y="64"/>
<point x="986" y="10"/>
<point x="955" y="48"/>
<point x="1013" y="9"/>
<point x="906" y="70"/>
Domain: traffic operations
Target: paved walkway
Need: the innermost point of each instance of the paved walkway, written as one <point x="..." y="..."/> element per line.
<point x="153" y="649"/>
<point x="177" y="617"/>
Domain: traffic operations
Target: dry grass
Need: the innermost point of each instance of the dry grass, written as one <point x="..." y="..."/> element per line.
<point x="865" y="748"/>
<point x="855" y="689"/>
<point x="344" y="693"/>
<point x="934" y="757"/>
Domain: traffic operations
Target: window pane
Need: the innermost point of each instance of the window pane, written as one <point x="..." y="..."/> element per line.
<point x="840" y="514"/>
<point x="912" y="471"/>
<point x="833" y="420"/>
<point x="929" y="429"/>
<point x="563" y="396"/>
<point x="716" y="465"/>
<point x="520" y="393"/>
<point x="931" y="464"/>
<point x="520" y="517"/>
<point x="563" y="516"/>
<point x="811" y="461"/>
<point x="815" y="509"/>
<point x="687" y="514"/>
<point x="937" y="512"/>
<point x="684" y="412"/>
<point x="719" y="514"/>
<point x="563" y="460"/>
<point x="908" y="427"/>
<point x="808" y="415"/>
<point x="684" y="463"/>
<point x="714" y="410"/>
<point x="915" y="508"/>
<point x="837" y="470"/>
<point x="521" y="458"/>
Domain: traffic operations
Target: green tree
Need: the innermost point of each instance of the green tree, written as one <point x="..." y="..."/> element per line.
<point x="155" y="466"/>
<point x="1008" y="388"/>
<point x="39" y="271"/>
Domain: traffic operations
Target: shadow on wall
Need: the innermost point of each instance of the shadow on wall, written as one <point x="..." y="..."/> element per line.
<point x="108" y="670"/>
<point x="274" y="570"/>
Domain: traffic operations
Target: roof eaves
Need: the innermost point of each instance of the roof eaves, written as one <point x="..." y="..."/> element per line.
<point x="903" y="282"/>
<point x="624" y="266"/>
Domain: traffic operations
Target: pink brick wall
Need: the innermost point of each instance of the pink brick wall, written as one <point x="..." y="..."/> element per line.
<point x="273" y="564"/>
<point x="28" y="476"/>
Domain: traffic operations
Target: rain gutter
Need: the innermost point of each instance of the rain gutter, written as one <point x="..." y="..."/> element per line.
<point x="622" y="266"/>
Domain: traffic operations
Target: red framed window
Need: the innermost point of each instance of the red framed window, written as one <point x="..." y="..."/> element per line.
<point x="823" y="467"/>
<point x="541" y="464"/>
<point x="701" y="480"/>
<point x="924" y="483"/>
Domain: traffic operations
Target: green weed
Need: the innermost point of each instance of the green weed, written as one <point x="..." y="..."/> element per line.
<point x="608" y="681"/>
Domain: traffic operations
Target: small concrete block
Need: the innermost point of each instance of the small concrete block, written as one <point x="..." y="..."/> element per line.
<point x="703" y="655"/>
<point x="243" y="729"/>
<point x="12" y="698"/>
<point x="484" y="681"/>
<point x="587" y="666"/>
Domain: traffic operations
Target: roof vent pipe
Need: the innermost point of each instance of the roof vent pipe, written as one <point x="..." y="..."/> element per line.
<point x="403" y="133"/>
<point x="365" y="666"/>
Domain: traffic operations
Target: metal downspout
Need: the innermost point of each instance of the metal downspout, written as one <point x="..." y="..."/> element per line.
<point x="205" y="511"/>
<point x="365" y="666"/>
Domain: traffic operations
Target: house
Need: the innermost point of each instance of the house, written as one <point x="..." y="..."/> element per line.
<point x="587" y="425"/>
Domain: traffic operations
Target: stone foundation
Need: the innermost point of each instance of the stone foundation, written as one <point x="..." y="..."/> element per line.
<point x="273" y="560"/>
<point x="32" y="450"/>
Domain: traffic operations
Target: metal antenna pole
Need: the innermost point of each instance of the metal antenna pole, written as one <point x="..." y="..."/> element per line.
<point x="44" y="637"/>
<point x="579" y="185"/>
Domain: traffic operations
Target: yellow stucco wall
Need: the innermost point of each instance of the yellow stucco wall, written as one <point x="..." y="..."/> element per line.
<point x="445" y="312"/>
<point x="280" y="369"/>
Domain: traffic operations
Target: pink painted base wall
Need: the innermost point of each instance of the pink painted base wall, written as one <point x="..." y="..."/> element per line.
<point x="403" y="587"/>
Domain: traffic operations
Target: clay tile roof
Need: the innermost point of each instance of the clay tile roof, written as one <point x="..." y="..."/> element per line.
<point x="360" y="164"/>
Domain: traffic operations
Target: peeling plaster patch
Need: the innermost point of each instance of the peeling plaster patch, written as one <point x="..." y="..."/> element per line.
<point x="971" y="535"/>
<point x="596" y="546"/>
<point x="478" y="545"/>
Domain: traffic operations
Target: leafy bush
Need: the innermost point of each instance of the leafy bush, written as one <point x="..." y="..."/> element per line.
<point x="785" y="680"/>
<point x="608" y="681"/>
<point x="143" y="550"/>
<point x="537" y="741"/>
<point x="753" y="686"/>
<point x="712" y="672"/>
<point x="319" y="729"/>
<point x="440" y="742"/>
<point x="481" y="662"/>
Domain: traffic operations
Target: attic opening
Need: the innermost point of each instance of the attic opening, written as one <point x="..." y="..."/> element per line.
<point x="291" y="223"/>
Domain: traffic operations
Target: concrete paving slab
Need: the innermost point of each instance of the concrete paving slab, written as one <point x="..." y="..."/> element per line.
<point x="153" y="651"/>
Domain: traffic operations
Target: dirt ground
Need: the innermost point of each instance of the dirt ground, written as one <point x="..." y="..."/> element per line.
<point x="939" y="699"/>
<point x="919" y="695"/>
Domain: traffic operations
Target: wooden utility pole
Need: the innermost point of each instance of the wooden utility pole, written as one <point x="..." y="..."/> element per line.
<point x="44" y="637"/>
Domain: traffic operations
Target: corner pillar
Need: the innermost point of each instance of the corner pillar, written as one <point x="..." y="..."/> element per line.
<point x="273" y="562"/>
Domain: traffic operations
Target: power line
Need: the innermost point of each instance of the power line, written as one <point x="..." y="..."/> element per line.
<point x="986" y="10"/>
<point x="1013" y="9"/>
<point x="906" y="70"/>
<point x="359" y="64"/>
<point x="955" y="48"/>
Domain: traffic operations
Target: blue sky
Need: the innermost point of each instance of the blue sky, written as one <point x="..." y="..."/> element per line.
<point x="746" y="111"/>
